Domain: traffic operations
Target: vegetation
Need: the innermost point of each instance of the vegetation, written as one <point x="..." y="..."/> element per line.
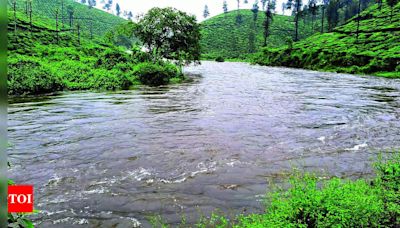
<point x="310" y="202"/>
<point x="43" y="60"/>
<point x="369" y="44"/>
<point x="171" y="34"/>
<point x="223" y="36"/>
<point x="89" y="18"/>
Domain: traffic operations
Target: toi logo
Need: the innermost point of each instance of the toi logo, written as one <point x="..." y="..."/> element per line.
<point x="20" y="198"/>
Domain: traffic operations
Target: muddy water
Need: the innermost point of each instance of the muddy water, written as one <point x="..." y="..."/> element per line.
<point x="103" y="159"/>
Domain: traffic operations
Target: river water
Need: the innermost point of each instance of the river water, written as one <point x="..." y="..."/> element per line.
<point x="218" y="141"/>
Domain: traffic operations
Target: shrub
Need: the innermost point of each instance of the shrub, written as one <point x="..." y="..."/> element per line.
<point x="31" y="77"/>
<point x="155" y="74"/>
<point x="220" y="59"/>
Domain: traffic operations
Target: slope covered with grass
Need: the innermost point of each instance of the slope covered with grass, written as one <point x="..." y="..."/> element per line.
<point x="42" y="61"/>
<point x="45" y="12"/>
<point x="223" y="36"/>
<point x="376" y="51"/>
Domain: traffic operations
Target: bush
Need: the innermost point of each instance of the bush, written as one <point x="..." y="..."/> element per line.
<point x="155" y="74"/>
<point x="220" y="59"/>
<point x="31" y="77"/>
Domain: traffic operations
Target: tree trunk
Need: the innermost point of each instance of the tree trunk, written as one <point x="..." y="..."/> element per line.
<point x="322" y="19"/>
<point x="358" y="18"/>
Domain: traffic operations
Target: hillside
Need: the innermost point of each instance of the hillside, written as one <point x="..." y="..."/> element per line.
<point x="45" y="11"/>
<point x="222" y="36"/>
<point x="40" y="60"/>
<point x="377" y="50"/>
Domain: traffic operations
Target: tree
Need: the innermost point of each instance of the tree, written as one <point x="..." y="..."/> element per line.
<point x="171" y="34"/>
<point x="225" y="6"/>
<point x="283" y="8"/>
<point x="70" y="11"/>
<point x="391" y="4"/>
<point x="246" y="1"/>
<point x="252" y="34"/>
<point x="296" y="5"/>
<point x="206" y="12"/>
<point x="108" y="5"/>
<point x="332" y="13"/>
<point x="130" y="15"/>
<point x="312" y="7"/>
<point x="267" y="24"/>
<point x="118" y="9"/>
<point x="264" y="4"/>
<point x="92" y="3"/>
<point x="83" y="2"/>
<point x="272" y="5"/>
<point x="239" y="16"/>
<point x="323" y="6"/>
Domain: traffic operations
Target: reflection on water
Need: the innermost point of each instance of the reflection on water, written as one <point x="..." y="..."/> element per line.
<point x="105" y="159"/>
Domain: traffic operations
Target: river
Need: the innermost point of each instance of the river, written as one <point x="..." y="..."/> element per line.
<point x="219" y="141"/>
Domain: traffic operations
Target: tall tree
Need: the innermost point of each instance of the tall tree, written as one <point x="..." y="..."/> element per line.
<point x="83" y="1"/>
<point x="313" y="8"/>
<point x="253" y="28"/>
<point x="332" y="13"/>
<point x="130" y="15"/>
<point x="323" y="6"/>
<point x="206" y="12"/>
<point x="295" y="5"/>
<point x="92" y="3"/>
<point x="264" y="4"/>
<point x="118" y="10"/>
<point x="171" y="34"/>
<point x="267" y="24"/>
<point x="70" y="11"/>
<point x="239" y="16"/>
<point x="391" y="4"/>
<point x="272" y="5"/>
<point x="225" y="6"/>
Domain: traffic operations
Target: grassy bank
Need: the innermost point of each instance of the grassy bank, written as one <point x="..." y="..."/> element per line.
<point x="45" y="61"/>
<point x="375" y="50"/>
<point x="310" y="201"/>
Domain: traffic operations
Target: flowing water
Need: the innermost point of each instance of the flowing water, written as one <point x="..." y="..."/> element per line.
<point x="218" y="141"/>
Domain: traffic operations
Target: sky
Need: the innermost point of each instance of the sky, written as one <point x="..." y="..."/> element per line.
<point x="195" y="7"/>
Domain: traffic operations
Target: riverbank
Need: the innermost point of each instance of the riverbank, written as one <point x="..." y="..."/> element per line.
<point x="312" y="201"/>
<point x="373" y="50"/>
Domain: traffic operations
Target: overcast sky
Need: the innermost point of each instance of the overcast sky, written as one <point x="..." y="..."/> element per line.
<point x="195" y="7"/>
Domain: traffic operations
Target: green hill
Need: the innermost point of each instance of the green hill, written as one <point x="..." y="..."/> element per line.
<point x="222" y="36"/>
<point x="45" y="11"/>
<point x="377" y="50"/>
<point x="42" y="60"/>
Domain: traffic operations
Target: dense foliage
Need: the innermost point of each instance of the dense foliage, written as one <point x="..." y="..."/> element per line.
<point x="171" y="34"/>
<point x="374" y="49"/>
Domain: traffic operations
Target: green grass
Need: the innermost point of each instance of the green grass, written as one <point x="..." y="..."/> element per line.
<point x="43" y="11"/>
<point x="310" y="201"/>
<point x="377" y="50"/>
<point x="222" y="36"/>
